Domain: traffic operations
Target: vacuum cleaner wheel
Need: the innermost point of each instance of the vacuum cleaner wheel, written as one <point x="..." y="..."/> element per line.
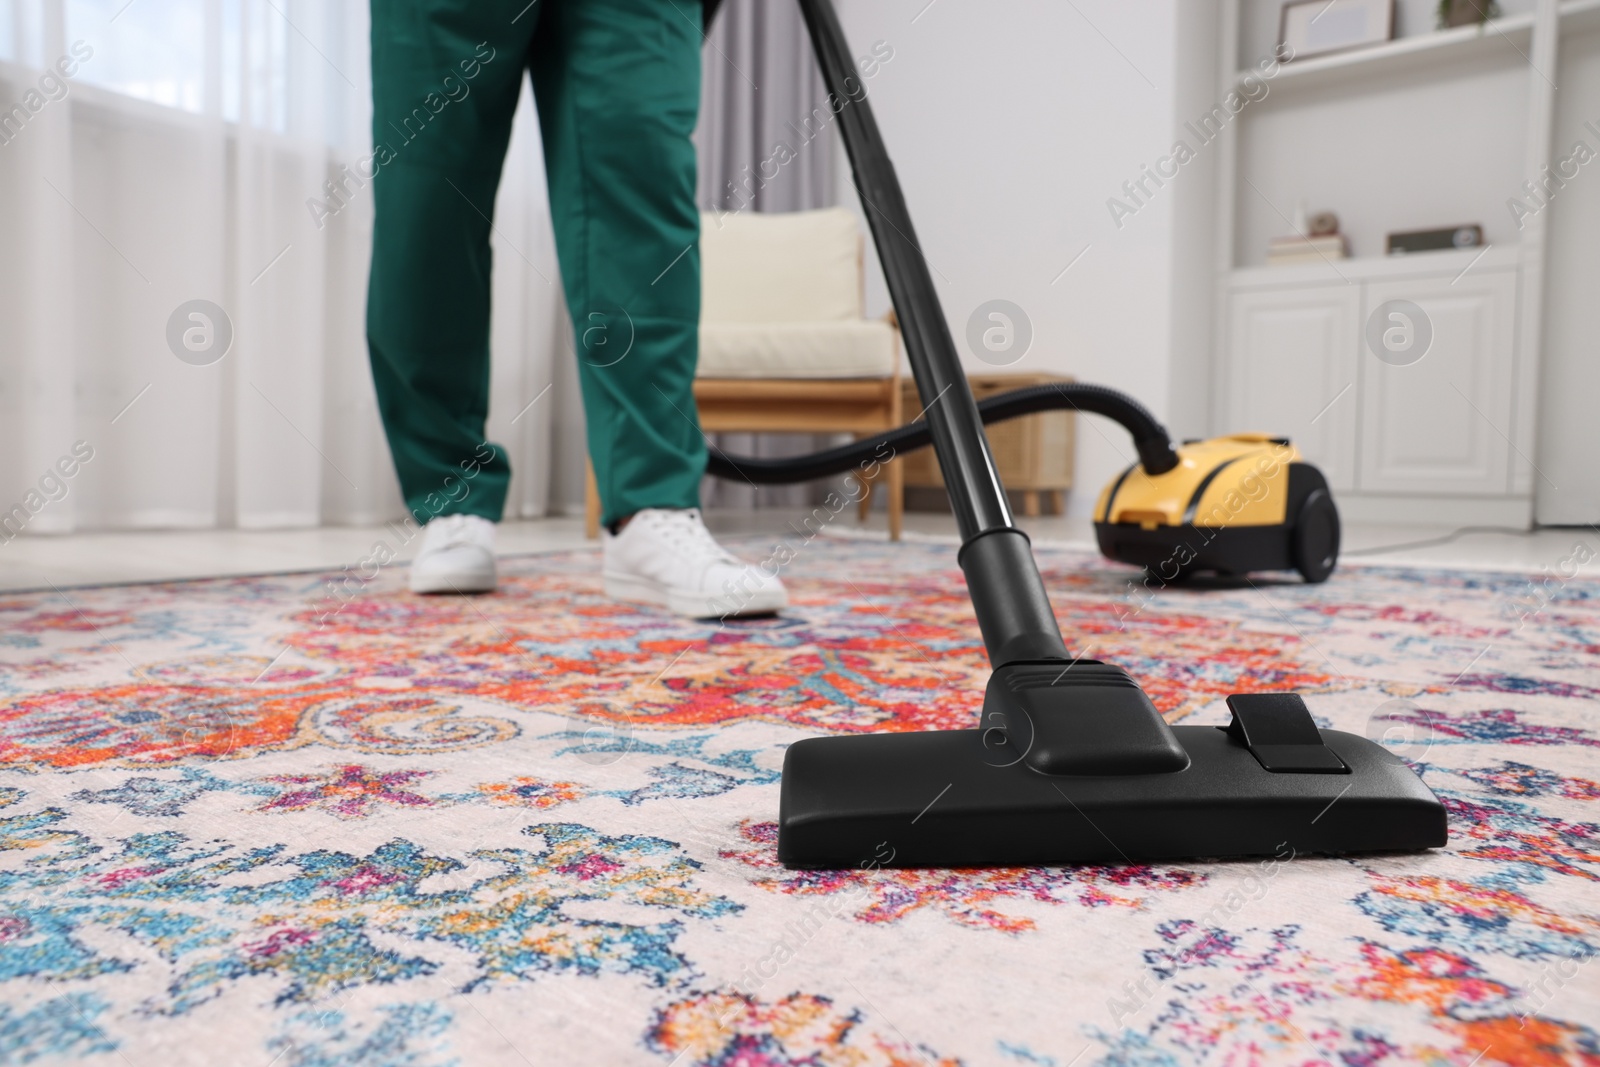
<point x="1175" y="575"/>
<point x="1314" y="543"/>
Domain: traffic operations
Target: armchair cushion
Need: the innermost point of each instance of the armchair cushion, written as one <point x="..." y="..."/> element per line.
<point x="796" y="266"/>
<point x="864" y="348"/>
<point x="781" y="297"/>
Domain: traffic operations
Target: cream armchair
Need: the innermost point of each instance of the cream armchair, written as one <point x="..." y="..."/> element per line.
<point x="785" y="346"/>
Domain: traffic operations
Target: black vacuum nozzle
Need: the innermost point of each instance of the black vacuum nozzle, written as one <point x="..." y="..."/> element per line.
<point x="1087" y="772"/>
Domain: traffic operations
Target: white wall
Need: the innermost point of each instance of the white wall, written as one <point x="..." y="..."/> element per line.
<point x="1569" y="431"/>
<point x="1010" y="126"/>
<point x="1194" y="235"/>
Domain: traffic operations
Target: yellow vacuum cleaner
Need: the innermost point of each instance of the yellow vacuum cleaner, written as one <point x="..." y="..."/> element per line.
<point x="1232" y="505"/>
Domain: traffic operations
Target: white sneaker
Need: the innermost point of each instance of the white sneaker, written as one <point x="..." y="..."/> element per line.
<point x="668" y="557"/>
<point x="457" y="556"/>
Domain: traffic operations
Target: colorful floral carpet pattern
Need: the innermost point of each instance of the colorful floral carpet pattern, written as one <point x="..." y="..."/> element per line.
<point x="242" y="822"/>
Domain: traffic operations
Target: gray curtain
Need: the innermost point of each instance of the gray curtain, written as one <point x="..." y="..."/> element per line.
<point x="759" y="84"/>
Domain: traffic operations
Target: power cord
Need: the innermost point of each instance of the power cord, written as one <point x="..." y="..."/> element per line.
<point x="1444" y="540"/>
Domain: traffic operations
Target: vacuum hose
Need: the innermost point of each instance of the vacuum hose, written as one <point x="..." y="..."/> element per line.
<point x="1156" y="453"/>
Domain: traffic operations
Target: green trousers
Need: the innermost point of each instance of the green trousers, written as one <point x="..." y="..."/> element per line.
<point x="617" y="84"/>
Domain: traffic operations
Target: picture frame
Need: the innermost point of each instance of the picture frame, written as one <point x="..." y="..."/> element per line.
<point x="1310" y="28"/>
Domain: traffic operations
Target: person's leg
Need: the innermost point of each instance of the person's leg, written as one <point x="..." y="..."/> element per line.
<point x="445" y="83"/>
<point x="618" y="88"/>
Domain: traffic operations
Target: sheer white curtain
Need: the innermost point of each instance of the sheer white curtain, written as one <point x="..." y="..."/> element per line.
<point x="158" y="152"/>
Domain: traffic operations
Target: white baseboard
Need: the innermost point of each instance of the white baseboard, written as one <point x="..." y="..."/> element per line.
<point x="1417" y="509"/>
<point x="279" y="520"/>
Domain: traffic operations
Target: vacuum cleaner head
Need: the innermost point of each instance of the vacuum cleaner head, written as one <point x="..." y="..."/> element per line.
<point x="1073" y="764"/>
<point x="1232" y="505"/>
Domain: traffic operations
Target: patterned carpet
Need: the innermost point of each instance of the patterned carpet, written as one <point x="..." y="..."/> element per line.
<point x="252" y="822"/>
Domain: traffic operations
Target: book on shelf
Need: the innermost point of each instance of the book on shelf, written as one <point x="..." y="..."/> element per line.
<point x="1295" y="249"/>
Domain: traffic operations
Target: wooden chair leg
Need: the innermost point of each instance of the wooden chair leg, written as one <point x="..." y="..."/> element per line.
<point x="1058" y="501"/>
<point x="1030" y="503"/>
<point x="591" y="503"/>
<point x="864" y="505"/>
<point x="897" y="495"/>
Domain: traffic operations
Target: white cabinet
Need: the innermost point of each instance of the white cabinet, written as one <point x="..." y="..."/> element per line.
<point x="1291" y="371"/>
<point x="1441" y="424"/>
<point x="1435" y="128"/>
<point x="1401" y="438"/>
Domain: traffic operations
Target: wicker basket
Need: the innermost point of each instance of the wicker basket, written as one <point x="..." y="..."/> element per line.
<point x="1034" y="454"/>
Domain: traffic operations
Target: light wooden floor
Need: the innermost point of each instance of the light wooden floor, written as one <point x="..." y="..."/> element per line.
<point x="39" y="562"/>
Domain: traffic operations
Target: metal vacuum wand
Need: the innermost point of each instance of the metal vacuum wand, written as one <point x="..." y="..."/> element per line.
<point x="1013" y="610"/>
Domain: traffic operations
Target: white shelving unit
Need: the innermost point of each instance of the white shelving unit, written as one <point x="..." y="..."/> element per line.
<point x="1407" y="52"/>
<point x="1448" y="437"/>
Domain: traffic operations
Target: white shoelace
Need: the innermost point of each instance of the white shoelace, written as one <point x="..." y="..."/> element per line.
<point x="684" y="531"/>
<point x="449" y="531"/>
